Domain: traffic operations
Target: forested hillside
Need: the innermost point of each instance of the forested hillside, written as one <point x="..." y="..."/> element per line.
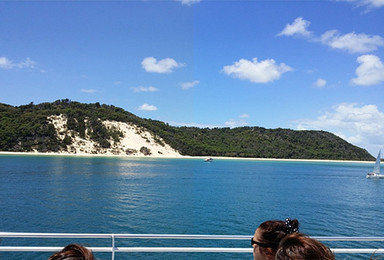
<point x="27" y="128"/>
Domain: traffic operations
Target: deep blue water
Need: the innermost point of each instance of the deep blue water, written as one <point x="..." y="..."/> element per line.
<point x="183" y="196"/>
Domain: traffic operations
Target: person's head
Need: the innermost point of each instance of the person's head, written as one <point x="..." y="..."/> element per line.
<point x="297" y="246"/>
<point x="268" y="236"/>
<point x="73" y="252"/>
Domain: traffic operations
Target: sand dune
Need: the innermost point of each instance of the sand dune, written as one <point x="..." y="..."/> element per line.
<point x="136" y="141"/>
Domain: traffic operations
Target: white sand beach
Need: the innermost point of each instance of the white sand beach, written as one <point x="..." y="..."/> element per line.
<point x="181" y="157"/>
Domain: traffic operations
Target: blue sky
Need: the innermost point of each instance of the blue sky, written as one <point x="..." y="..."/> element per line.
<point x="289" y="64"/>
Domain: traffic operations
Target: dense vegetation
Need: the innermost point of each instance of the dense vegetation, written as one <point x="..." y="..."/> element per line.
<point x="25" y="128"/>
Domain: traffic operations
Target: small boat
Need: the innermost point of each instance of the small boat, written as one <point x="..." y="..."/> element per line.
<point x="208" y="159"/>
<point x="375" y="174"/>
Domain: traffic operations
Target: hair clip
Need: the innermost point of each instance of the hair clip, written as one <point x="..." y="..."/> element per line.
<point x="289" y="226"/>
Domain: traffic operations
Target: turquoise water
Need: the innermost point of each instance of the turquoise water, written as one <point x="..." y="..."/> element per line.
<point x="183" y="196"/>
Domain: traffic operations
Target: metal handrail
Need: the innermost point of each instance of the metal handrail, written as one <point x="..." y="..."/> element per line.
<point x="168" y="236"/>
<point x="113" y="249"/>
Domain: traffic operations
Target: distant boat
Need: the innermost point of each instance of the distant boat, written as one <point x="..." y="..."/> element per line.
<point x="375" y="174"/>
<point x="208" y="159"/>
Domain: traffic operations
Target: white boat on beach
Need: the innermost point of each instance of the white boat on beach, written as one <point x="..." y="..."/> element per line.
<point x="208" y="159"/>
<point x="375" y="174"/>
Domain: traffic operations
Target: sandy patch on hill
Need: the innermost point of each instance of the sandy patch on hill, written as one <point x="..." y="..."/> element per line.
<point x="136" y="141"/>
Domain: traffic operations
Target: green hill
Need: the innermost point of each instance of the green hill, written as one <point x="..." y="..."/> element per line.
<point x="27" y="128"/>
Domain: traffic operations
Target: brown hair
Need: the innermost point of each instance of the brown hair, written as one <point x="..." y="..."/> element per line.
<point x="73" y="252"/>
<point x="273" y="231"/>
<point x="298" y="246"/>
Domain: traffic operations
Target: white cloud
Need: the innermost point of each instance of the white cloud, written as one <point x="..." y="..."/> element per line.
<point x="89" y="91"/>
<point x="188" y="2"/>
<point x="352" y="42"/>
<point x="369" y="4"/>
<point x="235" y="123"/>
<point x="193" y="124"/>
<point x="257" y="72"/>
<point x="298" y="27"/>
<point x="360" y="125"/>
<point x="320" y="83"/>
<point x="146" y="107"/>
<point x="145" y="89"/>
<point x="375" y="3"/>
<point x="188" y="85"/>
<point x="370" y="71"/>
<point x="28" y="63"/>
<point x="150" y="64"/>
<point x="5" y="63"/>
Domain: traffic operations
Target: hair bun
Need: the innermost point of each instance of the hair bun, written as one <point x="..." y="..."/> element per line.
<point x="291" y="225"/>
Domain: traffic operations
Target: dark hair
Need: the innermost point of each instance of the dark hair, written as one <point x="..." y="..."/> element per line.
<point x="73" y="252"/>
<point x="301" y="247"/>
<point x="273" y="231"/>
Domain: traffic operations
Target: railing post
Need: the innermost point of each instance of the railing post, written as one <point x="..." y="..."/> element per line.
<point x="113" y="246"/>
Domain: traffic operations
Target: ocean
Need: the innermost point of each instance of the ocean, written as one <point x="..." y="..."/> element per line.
<point x="69" y="194"/>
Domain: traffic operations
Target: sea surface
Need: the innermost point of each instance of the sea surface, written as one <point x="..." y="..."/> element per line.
<point x="68" y="194"/>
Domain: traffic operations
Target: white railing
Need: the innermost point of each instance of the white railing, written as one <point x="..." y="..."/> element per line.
<point x="114" y="249"/>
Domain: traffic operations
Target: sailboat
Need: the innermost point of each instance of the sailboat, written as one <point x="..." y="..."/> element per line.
<point x="375" y="174"/>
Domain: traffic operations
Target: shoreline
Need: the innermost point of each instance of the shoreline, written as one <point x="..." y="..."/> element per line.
<point x="180" y="157"/>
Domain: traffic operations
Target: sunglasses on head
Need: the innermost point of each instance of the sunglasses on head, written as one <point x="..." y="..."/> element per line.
<point x="269" y="245"/>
